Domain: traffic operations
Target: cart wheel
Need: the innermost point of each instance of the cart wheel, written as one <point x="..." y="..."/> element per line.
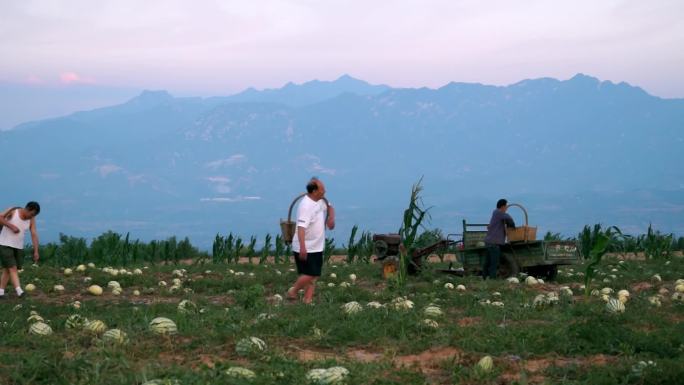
<point x="551" y="272"/>
<point x="381" y="249"/>
<point x="508" y="266"/>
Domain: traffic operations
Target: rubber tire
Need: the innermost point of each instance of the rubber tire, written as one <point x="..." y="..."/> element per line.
<point x="508" y="267"/>
<point x="551" y="272"/>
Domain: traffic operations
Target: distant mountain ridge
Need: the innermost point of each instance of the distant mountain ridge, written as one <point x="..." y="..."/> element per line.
<point x="158" y="165"/>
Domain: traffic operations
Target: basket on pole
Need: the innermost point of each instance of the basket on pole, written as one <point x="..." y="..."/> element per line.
<point x="288" y="227"/>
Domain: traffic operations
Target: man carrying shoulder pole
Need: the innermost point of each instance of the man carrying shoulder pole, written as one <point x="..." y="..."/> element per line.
<point x="313" y="215"/>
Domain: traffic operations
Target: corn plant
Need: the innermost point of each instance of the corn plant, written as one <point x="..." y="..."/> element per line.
<point x="71" y="250"/>
<point x="352" y="247"/>
<point x="412" y="220"/>
<point x="602" y="243"/>
<point x="365" y="247"/>
<point x="328" y="249"/>
<point x="588" y="238"/>
<point x="549" y="236"/>
<point x="655" y="244"/>
<point x="265" y="250"/>
<point x="217" y="249"/>
<point x="279" y="248"/>
<point x="251" y="248"/>
<point x="237" y="249"/>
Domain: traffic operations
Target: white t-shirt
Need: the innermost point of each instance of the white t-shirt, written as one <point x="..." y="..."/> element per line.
<point x="311" y="216"/>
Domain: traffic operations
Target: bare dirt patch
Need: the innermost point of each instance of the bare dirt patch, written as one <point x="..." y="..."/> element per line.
<point x="429" y="360"/>
<point x="641" y="286"/>
<point x="469" y="321"/>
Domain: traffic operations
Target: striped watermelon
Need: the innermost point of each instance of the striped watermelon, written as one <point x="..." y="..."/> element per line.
<point x="75" y="321"/>
<point x="615" y="306"/>
<point x="432" y="311"/>
<point x="250" y="345"/>
<point x="240" y="372"/>
<point x="187" y="307"/>
<point x="352" y="307"/>
<point x="95" y="327"/>
<point x="115" y="336"/>
<point x="161" y="325"/>
<point x="331" y="376"/>
<point x="35" y="318"/>
<point x="40" y="328"/>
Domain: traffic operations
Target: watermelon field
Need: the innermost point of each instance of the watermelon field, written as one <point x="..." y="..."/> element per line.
<point x="228" y="323"/>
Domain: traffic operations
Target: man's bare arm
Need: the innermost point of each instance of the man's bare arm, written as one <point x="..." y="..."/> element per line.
<point x="34" y="240"/>
<point x="301" y="235"/>
<point x="331" y="218"/>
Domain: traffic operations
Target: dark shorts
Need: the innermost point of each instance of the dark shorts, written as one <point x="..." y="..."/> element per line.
<point x="312" y="266"/>
<point x="11" y="257"/>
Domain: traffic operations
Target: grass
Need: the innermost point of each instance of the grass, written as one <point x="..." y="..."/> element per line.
<point x="573" y="342"/>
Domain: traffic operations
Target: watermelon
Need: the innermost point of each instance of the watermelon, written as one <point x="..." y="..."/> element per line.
<point x="95" y="327"/>
<point x="115" y="337"/>
<point x="432" y="311"/>
<point x="35" y="318"/>
<point x="95" y="290"/>
<point x="40" y="328"/>
<point x="166" y="381"/>
<point x="249" y="346"/>
<point x="430" y="323"/>
<point x="240" y="372"/>
<point x="187" y="307"/>
<point x="352" y="307"/>
<point x="615" y="306"/>
<point x="161" y="325"/>
<point x="331" y="376"/>
<point x="75" y="321"/>
<point x="486" y="364"/>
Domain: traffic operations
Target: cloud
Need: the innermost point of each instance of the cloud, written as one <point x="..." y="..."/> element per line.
<point x="314" y="165"/>
<point x="134" y="179"/>
<point x="107" y="169"/>
<point x="231" y="161"/>
<point x="74" y="78"/>
<point x="220" y="184"/>
<point x="236" y="199"/>
<point x="218" y="179"/>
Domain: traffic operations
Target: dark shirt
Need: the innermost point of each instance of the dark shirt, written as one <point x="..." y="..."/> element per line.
<point x="496" y="231"/>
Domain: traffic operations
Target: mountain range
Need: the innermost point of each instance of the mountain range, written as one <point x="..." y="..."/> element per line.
<point x="573" y="152"/>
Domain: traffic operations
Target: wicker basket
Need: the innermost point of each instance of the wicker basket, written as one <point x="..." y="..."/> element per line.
<point x="288" y="227"/>
<point x="523" y="233"/>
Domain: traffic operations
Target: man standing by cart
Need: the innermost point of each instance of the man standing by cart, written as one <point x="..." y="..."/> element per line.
<point x="495" y="238"/>
<point x="313" y="215"/>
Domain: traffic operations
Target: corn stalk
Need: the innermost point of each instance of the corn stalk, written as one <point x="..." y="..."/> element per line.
<point x="413" y="217"/>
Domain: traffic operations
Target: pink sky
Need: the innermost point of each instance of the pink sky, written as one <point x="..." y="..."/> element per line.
<point x="209" y="47"/>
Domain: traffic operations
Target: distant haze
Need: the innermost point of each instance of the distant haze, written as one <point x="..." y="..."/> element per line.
<point x="213" y="47"/>
<point x="574" y="152"/>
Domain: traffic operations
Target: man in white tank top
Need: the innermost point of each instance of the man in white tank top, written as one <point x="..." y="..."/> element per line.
<point x="15" y="222"/>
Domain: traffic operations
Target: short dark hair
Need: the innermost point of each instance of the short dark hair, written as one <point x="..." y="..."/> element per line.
<point x="501" y="203"/>
<point x="33" y="206"/>
<point x="312" y="185"/>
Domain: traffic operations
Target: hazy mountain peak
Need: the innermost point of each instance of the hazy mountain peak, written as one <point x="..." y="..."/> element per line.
<point x="148" y="96"/>
<point x="310" y="92"/>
